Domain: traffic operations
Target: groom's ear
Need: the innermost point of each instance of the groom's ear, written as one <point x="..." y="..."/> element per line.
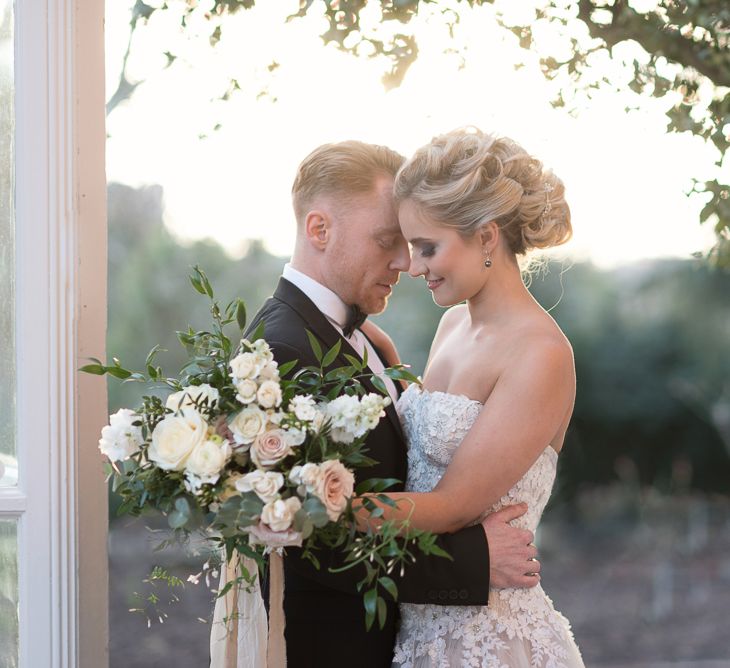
<point x="317" y="228"/>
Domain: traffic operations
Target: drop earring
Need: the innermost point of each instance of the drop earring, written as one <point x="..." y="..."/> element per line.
<point x="488" y="261"/>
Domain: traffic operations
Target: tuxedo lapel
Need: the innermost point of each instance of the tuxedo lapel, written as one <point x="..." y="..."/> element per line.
<point x="323" y="329"/>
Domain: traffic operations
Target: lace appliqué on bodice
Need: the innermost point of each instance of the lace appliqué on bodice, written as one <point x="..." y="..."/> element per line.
<point x="519" y="627"/>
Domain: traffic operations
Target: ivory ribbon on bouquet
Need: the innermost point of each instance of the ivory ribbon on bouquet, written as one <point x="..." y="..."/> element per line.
<point x="239" y="637"/>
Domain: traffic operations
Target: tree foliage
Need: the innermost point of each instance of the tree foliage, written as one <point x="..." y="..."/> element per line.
<point x="684" y="57"/>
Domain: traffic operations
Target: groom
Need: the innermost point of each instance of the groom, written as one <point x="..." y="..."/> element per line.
<point x="349" y="252"/>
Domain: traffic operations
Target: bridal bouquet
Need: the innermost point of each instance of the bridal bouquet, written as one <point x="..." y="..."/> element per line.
<point x="261" y="458"/>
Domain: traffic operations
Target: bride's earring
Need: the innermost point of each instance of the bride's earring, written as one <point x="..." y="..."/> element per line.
<point x="488" y="261"/>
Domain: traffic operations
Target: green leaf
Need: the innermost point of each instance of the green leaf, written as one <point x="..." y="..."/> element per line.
<point x="96" y="369"/>
<point x="375" y="485"/>
<point x="356" y="363"/>
<point x="389" y="585"/>
<point x="379" y="385"/>
<point x="382" y="612"/>
<point x="400" y="373"/>
<point x="285" y="368"/>
<point x="197" y="285"/>
<point x="241" y="314"/>
<point x="179" y="517"/>
<point x="316" y="348"/>
<point x="332" y="354"/>
<point x="118" y="372"/>
<point x="316" y="511"/>
<point x="258" y="332"/>
<point x="370" y="600"/>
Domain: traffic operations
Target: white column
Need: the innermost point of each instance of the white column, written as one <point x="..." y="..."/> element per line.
<point x="60" y="318"/>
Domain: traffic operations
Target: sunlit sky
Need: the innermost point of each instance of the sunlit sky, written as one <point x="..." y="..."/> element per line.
<point x="625" y="176"/>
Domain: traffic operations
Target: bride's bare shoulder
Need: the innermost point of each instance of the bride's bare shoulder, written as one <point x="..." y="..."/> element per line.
<point x="451" y="318"/>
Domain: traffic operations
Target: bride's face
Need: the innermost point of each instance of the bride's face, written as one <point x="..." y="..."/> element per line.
<point x="452" y="265"/>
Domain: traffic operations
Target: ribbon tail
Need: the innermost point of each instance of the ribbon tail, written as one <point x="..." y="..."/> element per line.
<point x="276" y="655"/>
<point x="239" y="629"/>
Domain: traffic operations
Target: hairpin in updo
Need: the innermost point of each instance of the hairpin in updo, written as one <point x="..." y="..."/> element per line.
<point x="548" y="205"/>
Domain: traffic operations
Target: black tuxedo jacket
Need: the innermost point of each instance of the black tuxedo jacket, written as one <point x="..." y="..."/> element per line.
<point x="325" y="619"/>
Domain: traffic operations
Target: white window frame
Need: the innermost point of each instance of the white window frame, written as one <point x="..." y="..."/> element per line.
<point x="60" y="319"/>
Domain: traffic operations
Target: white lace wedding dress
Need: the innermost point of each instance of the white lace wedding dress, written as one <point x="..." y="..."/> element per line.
<point x="519" y="627"/>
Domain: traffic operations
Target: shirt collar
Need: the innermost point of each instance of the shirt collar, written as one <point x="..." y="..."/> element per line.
<point x="328" y="302"/>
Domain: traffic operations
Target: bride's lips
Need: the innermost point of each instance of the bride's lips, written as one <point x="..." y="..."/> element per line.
<point x="432" y="285"/>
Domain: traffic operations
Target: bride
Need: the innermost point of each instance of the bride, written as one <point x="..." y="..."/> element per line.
<point x="486" y="427"/>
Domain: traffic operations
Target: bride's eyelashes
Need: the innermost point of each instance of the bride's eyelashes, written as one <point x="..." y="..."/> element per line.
<point x="427" y="251"/>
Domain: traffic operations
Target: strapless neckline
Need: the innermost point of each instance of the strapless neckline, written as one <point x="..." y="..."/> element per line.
<point x="424" y="392"/>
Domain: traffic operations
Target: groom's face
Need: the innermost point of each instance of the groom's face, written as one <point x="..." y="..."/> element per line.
<point x="367" y="251"/>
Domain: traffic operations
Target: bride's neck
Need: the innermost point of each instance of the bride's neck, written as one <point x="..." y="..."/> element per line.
<point x="502" y="294"/>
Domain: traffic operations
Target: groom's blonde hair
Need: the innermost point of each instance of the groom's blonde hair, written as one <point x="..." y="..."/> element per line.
<point x="341" y="170"/>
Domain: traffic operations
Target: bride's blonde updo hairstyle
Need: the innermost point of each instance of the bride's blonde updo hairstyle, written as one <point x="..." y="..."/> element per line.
<point x="466" y="178"/>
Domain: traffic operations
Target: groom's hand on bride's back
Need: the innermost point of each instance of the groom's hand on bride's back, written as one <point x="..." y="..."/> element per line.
<point x="512" y="554"/>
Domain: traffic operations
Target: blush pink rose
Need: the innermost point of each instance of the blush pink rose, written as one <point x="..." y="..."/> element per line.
<point x="270" y="448"/>
<point x="334" y="486"/>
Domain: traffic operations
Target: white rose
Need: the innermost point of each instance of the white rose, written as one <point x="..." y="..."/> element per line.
<point x="208" y="458"/>
<point x="245" y="366"/>
<point x="120" y="439"/>
<point x="175" y="437"/>
<point x="269" y="394"/>
<point x="188" y="397"/>
<point x="246" y="391"/>
<point x="266" y="484"/>
<point x="269" y="371"/>
<point x="270" y="448"/>
<point x="334" y="486"/>
<point x="247" y="425"/>
<point x="303" y="407"/>
<point x="279" y="514"/>
<point x="306" y="475"/>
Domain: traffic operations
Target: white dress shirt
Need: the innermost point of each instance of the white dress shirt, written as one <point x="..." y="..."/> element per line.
<point x="336" y="311"/>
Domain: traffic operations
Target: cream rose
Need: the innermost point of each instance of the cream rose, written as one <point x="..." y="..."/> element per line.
<point x="334" y="486"/>
<point x="269" y="394"/>
<point x="266" y="484"/>
<point x="306" y="475"/>
<point x="189" y="396"/>
<point x="269" y="371"/>
<point x="279" y="514"/>
<point x="246" y="391"/>
<point x="247" y="425"/>
<point x="245" y="365"/>
<point x="270" y="448"/>
<point x="208" y="458"/>
<point x="175" y="437"/>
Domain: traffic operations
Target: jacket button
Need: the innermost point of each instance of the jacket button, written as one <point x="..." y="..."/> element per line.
<point x="432" y="594"/>
<point x="443" y="595"/>
<point x="463" y="594"/>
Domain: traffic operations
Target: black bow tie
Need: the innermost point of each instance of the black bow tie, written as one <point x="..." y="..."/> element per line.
<point x="355" y="318"/>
